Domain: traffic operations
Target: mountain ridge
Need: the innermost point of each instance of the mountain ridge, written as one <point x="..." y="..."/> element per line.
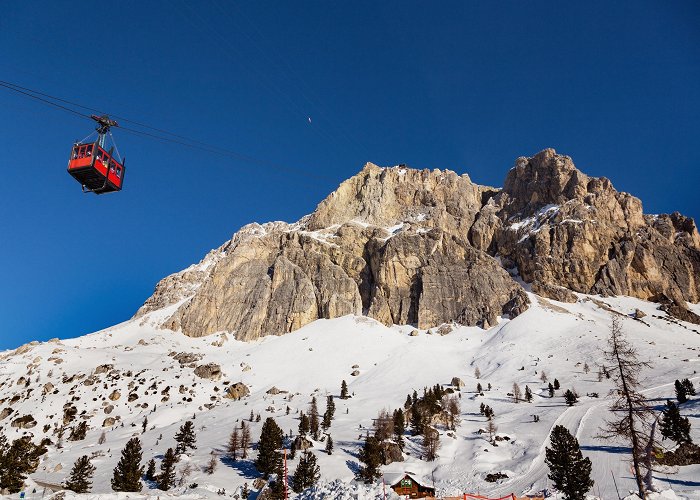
<point x="427" y="247"/>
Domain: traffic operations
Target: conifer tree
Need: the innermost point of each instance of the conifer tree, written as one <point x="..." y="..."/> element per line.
<point x="234" y="444"/>
<point x="277" y="486"/>
<point x="328" y="414"/>
<point x="550" y="388"/>
<point x="313" y="419"/>
<point x="245" y="492"/>
<point x="632" y="418"/>
<point x="80" y="479"/>
<point x="568" y="469"/>
<point x="329" y="445"/>
<point x="370" y="456"/>
<point x="166" y="478"/>
<point x="307" y="472"/>
<point x="17" y="461"/>
<point x="556" y="385"/>
<point x="127" y="473"/>
<point x="303" y="424"/>
<point x="681" y="394"/>
<point x="477" y="373"/>
<point x="151" y="470"/>
<point x="543" y="376"/>
<point x="185" y="438"/>
<point x="344" y="390"/>
<point x="673" y="426"/>
<point x="528" y="394"/>
<point x="408" y="402"/>
<point x="270" y="441"/>
<point x="399" y="427"/>
<point x="479" y="389"/>
<point x="688" y="386"/>
<point x="245" y="440"/>
<point x="417" y="421"/>
<point x="570" y="397"/>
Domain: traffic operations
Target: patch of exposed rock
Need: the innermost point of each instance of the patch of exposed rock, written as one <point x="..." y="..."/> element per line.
<point x="24" y="422"/>
<point x="210" y="371"/>
<point x="237" y="391"/>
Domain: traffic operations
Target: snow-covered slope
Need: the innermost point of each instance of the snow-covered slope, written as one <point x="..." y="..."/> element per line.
<point x="393" y="362"/>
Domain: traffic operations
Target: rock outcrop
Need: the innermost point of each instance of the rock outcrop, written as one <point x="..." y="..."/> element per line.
<point x="428" y="247"/>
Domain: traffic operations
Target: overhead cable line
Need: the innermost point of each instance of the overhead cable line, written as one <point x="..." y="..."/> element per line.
<point x="175" y="138"/>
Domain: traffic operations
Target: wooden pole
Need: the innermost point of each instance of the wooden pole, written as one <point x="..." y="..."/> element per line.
<point x="285" y="474"/>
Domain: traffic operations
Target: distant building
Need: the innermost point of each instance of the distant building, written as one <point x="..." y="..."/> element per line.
<point x="408" y="486"/>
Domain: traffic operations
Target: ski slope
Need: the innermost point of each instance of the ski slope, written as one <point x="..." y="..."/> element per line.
<point x="555" y="337"/>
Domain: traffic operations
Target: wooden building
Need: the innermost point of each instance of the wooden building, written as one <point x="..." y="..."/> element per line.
<point x="408" y="487"/>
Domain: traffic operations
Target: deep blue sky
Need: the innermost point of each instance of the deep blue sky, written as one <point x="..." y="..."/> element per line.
<point x="468" y="86"/>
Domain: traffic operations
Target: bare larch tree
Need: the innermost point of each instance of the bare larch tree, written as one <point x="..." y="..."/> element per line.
<point x="632" y="418"/>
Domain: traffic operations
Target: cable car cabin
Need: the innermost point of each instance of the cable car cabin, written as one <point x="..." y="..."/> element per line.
<point x="95" y="169"/>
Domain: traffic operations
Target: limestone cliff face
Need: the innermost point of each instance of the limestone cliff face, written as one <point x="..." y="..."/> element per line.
<point x="425" y="247"/>
<point x="561" y="227"/>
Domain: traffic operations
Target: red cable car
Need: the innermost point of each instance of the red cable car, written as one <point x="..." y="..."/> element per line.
<point x="96" y="169"/>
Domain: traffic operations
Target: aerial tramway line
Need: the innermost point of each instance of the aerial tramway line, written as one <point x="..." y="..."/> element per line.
<point x="100" y="169"/>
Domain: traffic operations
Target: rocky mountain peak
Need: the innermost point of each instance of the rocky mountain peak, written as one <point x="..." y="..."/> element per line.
<point x="427" y="247"/>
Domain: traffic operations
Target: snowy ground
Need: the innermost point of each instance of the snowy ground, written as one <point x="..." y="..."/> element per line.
<point x="555" y="337"/>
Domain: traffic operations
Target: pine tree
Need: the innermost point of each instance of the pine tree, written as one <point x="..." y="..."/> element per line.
<point x="151" y="470"/>
<point x="408" y="402"/>
<point x="234" y="444"/>
<point x="688" y="386"/>
<point x="166" y="478"/>
<point x="307" y="472"/>
<point x="344" y="390"/>
<point x="673" y="426"/>
<point x="681" y="394"/>
<point x="556" y="385"/>
<point x="328" y="414"/>
<point x="245" y="492"/>
<point x="245" y="440"/>
<point x="570" y="397"/>
<point x="543" y="376"/>
<point x="127" y="473"/>
<point x="329" y="445"/>
<point x="586" y="368"/>
<point x="477" y="373"/>
<point x="270" y="442"/>
<point x="313" y="419"/>
<point x="277" y="486"/>
<point x="570" y="472"/>
<point x="370" y="456"/>
<point x="304" y="424"/>
<point x="185" y="438"/>
<point x="399" y="427"/>
<point x="550" y="388"/>
<point x="18" y="460"/>
<point x="417" y="421"/>
<point x="479" y="389"/>
<point x="80" y="479"/>
<point x="528" y="394"/>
